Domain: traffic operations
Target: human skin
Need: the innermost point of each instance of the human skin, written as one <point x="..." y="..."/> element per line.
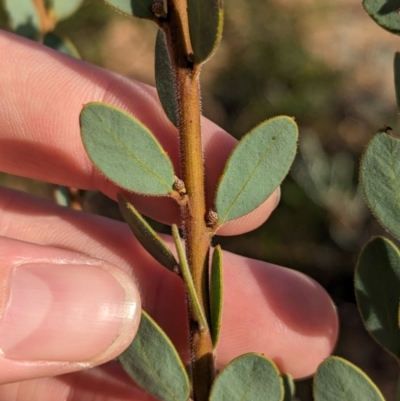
<point x="267" y="308"/>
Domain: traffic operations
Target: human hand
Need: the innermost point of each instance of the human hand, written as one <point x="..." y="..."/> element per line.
<point x="267" y="308"/>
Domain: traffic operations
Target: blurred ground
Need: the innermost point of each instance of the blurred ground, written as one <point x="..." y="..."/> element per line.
<point x="329" y="65"/>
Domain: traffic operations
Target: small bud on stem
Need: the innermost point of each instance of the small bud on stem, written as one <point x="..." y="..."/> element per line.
<point x="179" y="186"/>
<point x="212" y="219"/>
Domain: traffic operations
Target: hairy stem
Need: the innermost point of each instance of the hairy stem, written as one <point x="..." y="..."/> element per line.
<point x="197" y="235"/>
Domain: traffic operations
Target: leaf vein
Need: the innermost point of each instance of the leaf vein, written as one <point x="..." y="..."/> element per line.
<point x="131" y="154"/>
<point x="261" y="158"/>
<point x="155" y="374"/>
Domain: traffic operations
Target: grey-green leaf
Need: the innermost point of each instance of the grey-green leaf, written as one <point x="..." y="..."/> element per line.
<point x="339" y="380"/>
<point x="197" y="311"/>
<point x="380" y="179"/>
<point x="154" y="364"/>
<point x="384" y="13"/>
<point x="63" y="9"/>
<point x="149" y="239"/>
<point x="165" y="79"/>
<point x="60" y="44"/>
<point x="205" y="27"/>
<point x="250" y="377"/>
<point x="397" y="78"/>
<point x="256" y="167"/>
<point x="125" y="151"/>
<point x="136" y="8"/>
<point x="289" y="387"/>
<point x="23" y="18"/>
<point x="216" y="294"/>
<point x="377" y="286"/>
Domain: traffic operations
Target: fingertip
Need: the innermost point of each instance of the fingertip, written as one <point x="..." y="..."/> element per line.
<point x="276" y="311"/>
<point x="253" y="220"/>
<point x="61" y="311"/>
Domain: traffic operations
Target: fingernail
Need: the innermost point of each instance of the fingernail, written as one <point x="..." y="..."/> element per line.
<point x="67" y="313"/>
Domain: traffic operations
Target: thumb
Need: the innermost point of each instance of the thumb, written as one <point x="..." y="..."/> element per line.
<point x="61" y="311"/>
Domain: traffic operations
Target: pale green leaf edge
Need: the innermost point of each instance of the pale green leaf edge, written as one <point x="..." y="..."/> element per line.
<point x="396" y="250"/>
<point x="146" y="316"/>
<point x="361" y="175"/>
<point x="354" y="367"/>
<point x="218" y="34"/>
<point x="157" y="143"/>
<point x="27" y="25"/>
<point x="385" y="26"/>
<point x="289" y="387"/>
<point x="165" y="79"/>
<point x="270" y="362"/>
<point x="292" y="121"/>
<point x="157" y="248"/>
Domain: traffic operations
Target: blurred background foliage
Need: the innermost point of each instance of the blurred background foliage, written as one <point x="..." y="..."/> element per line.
<point x="328" y="65"/>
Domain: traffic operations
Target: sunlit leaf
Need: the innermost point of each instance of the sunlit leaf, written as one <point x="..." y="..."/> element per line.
<point x="384" y="13"/>
<point x="216" y="294"/>
<point x="205" y="26"/>
<point x="23" y="18"/>
<point x="60" y="44"/>
<point x="154" y="364"/>
<point x="256" y="167"/>
<point x="136" y="8"/>
<point x="250" y="377"/>
<point x="289" y="387"/>
<point x="338" y="380"/>
<point x="380" y="179"/>
<point x="149" y="239"/>
<point x="125" y="150"/>
<point x="165" y="79"/>
<point x="377" y="285"/>
<point x="63" y="9"/>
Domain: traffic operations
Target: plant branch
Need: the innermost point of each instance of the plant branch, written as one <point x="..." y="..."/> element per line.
<point x="197" y="235"/>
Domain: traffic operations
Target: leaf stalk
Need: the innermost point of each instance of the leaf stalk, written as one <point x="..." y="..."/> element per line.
<point x="197" y="311"/>
<point x="47" y="21"/>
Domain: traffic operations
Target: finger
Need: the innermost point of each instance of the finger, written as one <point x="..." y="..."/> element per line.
<point x="267" y="308"/>
<point x="107" y="382"/>
<point x="61" y="311"/>
<point x="41" y="96"/>
<point x="293" y="320"/>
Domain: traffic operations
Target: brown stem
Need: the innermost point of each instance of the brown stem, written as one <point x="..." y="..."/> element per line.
<point x="47" y="22"/>
<point x="197" y="235"/>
